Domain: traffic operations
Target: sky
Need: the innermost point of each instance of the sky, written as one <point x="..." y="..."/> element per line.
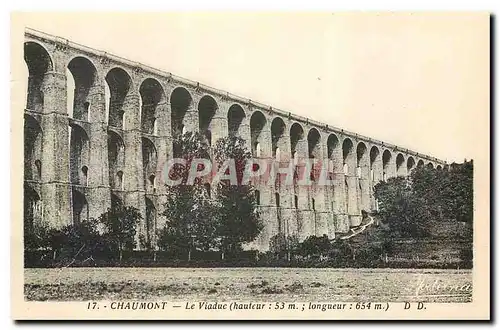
<point x="417" y="80"/>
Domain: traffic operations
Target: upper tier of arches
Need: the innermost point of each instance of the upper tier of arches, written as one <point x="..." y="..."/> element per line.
<point x="128" y="87"/>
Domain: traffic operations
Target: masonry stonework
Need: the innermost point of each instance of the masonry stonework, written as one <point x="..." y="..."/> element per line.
<point x="111" y="143"/>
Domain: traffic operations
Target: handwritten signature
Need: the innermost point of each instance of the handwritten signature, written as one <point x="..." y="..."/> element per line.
<point x="429" y="286"/>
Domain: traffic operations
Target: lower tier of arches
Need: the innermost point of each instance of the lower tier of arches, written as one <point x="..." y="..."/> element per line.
<point x="297" y="213"/>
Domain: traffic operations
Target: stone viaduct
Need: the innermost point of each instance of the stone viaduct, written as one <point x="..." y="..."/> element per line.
<point x="109" y="142"/>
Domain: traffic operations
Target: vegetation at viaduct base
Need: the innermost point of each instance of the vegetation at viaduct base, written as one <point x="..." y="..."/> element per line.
<point x="420" y="219"/>
<point x="197" y="222"/>
<point x="413" y="206"/>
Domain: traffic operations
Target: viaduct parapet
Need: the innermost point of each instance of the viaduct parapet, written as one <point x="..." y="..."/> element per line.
<point x="108" y="144"/>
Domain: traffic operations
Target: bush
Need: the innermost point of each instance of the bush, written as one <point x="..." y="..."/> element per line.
<point x="314" y="246"/>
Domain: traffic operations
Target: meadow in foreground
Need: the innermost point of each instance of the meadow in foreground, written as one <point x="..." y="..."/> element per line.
<point x="247" y="284"/>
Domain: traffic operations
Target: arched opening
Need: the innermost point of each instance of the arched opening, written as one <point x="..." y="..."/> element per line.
<point x="296" y="139"/>
<point x="386" y="158"/>
<point x="79" y="154"/>
<point x="332" y="144"/>
<point x="313" y="204"/>
<point x="152" y="182"/>
<point x="257" y="197"/>
<point x="85" y="171"/>
<point x="362" y="173"/>
<point x="235" y="117"/>
<point x="39" y="63"/>
<point x="32" y="207"/>
<point x="361" y="159"/>
<point x="150" y="222"/>
<point x="349" y="161"/>
<point x="38" y="166"/>
<point x="151" y="95"/>
<point x="180" y="102"/>
<point x="374" y="158"/>
<point x="207" y="107"/>
<point x="313" y="143"/>
<point x="149" y="162"/>
<point x="118" y="181"/>
<point x="277" y="131"/>
<point x="420" y="163"/>
<point x="430" y="165"/>
<point x="400" y="168"/>
<point x="348" y="156"/>
<point x="116" y="160"/>
<point x="278" y="212"/>
<point x="257" y="123"/>
<point x="119" y="83"/>
<point x="32" y="149"/>
<point x="439" y="167"/>
<point x="410" y="164"/>
<point x="314" y="148"/>
<point x="296" y="201"/>
<point x="80" y="207"/>
<point x="80" y="79"/>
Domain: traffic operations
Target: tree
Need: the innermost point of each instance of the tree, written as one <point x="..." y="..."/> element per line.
<point x="170" y="240"/>
<point x="342" y="249"/>
<point x="374" y="242"/>
<point x="191" y="145"/>
<point x="427" y="184"/>
<point x="412" y="206"/>
<point x="457" y="192"/>
<point x="57" y="240"/>
<point x="315" y="246"/>
<point x="81" y="239"/>
<point x="35" y="236"/>
<point x="74" y="239"/>
<point x="386" y="192"/>
<point x="407" y="214"/>
<point x="189" y="210"/>
<point x="120" y="227"/>
<point x="232" y="148"/>
<point x="238" y="219"/>
<point x="190" y="224"/>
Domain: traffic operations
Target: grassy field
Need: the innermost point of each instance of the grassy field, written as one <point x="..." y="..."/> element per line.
<point x="248" y="284"/>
